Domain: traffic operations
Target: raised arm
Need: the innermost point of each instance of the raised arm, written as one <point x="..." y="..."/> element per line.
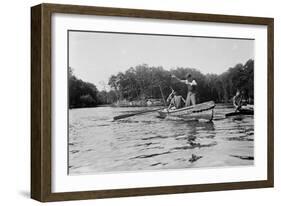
<point x="182" y="81"/>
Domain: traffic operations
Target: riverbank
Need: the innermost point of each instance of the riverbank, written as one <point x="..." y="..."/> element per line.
<point x="86" y="107"/>
<point x="139" y="103"/>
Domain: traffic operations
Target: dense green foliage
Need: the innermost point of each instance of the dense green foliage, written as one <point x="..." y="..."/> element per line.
<point x="85" y="94"/>
<point x="81" y="94"/>
<point x="105" y="97"/>
<point x="143" y="82"/>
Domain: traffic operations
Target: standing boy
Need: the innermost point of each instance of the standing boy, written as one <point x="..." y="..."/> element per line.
<point x="191" y="89"/>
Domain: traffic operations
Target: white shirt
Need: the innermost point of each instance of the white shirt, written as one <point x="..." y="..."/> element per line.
<point x="191" y="83"/>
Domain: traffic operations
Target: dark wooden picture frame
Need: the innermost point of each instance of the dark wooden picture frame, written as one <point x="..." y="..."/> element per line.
<point x="41" y="173"/>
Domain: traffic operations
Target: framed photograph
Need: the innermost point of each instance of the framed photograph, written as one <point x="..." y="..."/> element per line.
<point x="132" y="102"/>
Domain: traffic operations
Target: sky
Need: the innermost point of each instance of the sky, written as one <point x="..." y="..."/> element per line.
<point x="96" y="56"/>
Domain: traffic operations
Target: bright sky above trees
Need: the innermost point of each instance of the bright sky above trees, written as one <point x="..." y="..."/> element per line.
<point x="96" y="56"/>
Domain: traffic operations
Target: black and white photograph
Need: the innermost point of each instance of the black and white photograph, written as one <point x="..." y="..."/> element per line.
<point x="146" y="102"/>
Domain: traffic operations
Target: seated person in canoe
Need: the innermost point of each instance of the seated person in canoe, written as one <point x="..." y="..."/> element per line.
<point x="241" y="101"/>
<point x="191" y="89"/>
<point x="176" y="101"/>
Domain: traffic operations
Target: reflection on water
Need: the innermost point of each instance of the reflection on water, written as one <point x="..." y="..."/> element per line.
<point x="145" y="142"/>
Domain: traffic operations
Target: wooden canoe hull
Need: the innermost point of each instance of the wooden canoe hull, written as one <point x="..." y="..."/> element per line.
<point x="244" y="110"/>
<point x="241" y="112"/>
<point x="201" y="111"/>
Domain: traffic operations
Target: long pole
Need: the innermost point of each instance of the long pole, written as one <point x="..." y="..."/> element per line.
<point x="162" y="95"/>
<point x="134" y="114"/>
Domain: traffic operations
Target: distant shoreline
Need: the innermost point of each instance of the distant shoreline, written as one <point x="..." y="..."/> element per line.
<point x="132" y="106"/>
<point x="101" y="105"/>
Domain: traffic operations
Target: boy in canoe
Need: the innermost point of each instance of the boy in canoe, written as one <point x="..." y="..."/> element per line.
<point x="241" y="101"/>
<point x="176" y="101"/>
<point x="191" y="88"/>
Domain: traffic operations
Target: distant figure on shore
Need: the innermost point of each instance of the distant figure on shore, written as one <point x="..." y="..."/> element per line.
<point x="176" y="101"/>
<point x="191" y="87"/>
<point x="241" y="100"/>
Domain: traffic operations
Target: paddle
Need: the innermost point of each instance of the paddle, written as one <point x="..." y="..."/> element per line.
<point x="133" y="114"/>
<point x="238" y="108"/>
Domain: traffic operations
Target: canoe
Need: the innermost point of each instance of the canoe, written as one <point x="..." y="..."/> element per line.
<point x="195" y="112"/>
<point x="244" y="110"/>
<point x="240" y="112"/>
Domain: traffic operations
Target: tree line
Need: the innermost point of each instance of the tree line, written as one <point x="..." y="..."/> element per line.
<point x="147" y="82"/>
<point x="85" y="94"/>
<point x="143" y="82"/>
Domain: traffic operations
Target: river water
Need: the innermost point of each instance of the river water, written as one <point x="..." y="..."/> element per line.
<point x="145" y="142"/>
